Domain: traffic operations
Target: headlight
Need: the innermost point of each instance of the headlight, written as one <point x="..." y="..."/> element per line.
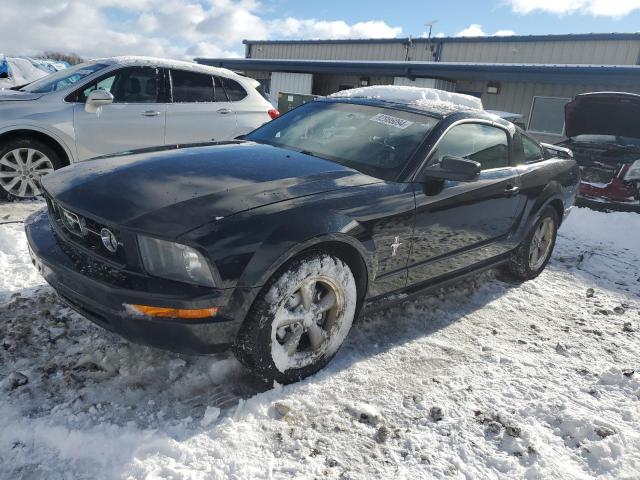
<point x="634" y="171"/>
<point x="174" y="261"/>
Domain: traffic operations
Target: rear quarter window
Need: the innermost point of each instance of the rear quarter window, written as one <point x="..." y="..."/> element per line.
<point x="235" y="91"/>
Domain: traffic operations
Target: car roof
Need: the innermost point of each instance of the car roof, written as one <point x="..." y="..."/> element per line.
<point x="439" y="111"/>
<point x="166" y="63"/>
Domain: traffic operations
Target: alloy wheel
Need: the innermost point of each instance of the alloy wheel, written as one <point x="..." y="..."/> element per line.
<point x="541" y="242"/>
<point x="21" y="170"/>
<point x="306" y="320"/>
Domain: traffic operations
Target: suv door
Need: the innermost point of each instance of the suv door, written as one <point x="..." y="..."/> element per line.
<point x="135" y="119"/>
<point x="200" y="110"/>
<point x="459" y="224"/>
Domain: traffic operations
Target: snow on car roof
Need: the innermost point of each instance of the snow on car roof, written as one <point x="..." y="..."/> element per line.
<point x="167" y="63"/>
<point x="417" y="96"/>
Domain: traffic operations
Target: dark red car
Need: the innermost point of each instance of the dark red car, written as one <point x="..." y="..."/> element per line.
<point x="604" y="135"/>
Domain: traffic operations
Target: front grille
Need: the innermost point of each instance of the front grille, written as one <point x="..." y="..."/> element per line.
<point x="85" y="232"/>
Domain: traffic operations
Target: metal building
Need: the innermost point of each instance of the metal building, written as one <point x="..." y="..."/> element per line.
<point x="533" y="76"/>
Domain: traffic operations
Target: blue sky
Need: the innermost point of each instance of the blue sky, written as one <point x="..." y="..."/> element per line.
<point x="186" y="29"/>
<point x="454" y="16"/>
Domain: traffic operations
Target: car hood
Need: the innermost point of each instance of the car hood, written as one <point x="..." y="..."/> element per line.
<point x="16" y="95"/>
<point x="606" y="113"/>
<point x="169" y="192"/>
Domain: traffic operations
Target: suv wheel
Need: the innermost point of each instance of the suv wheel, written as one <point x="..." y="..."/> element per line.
<point x="534" y="252"/>
<point x="23" y="162"/>
<point x="299" y="320"/>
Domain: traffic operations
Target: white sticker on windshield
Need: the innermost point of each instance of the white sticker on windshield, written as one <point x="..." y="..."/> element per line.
<point x="396" y="122"/>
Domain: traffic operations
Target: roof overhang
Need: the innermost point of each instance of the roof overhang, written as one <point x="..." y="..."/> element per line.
<point x="509" y="72"/>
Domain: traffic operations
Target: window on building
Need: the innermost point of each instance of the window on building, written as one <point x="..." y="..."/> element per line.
<point x="484" y="144"/>
<point x="547" y="115"/>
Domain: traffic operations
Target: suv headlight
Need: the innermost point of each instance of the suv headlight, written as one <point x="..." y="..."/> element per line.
<point x="634" y="171"/>
<point x="174" y="261"/>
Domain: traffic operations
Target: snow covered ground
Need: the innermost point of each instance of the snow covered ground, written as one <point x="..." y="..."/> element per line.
<point x="489" y="379"/>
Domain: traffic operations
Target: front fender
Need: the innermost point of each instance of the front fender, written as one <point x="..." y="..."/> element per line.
<point x="60" y="137"/>
<point x="303" y="232"/>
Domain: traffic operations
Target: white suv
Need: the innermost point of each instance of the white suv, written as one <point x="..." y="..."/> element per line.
<point x="118" y="104"/>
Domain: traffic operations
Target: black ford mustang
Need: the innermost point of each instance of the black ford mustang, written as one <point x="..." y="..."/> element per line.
<point x="274" y="243"/>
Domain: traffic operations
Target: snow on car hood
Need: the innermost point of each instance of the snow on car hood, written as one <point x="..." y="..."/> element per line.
<point x="603" y="113"/>
<point x="172" y="191"/>
<point x="424" y="97"/>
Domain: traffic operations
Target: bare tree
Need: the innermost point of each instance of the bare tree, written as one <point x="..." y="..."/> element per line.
<point x="70" y="58"/>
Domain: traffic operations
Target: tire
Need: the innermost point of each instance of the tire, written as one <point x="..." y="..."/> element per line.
<point x="285" y="337"/>
<point x="27" y="161"/>
<point x="527" y="264"/>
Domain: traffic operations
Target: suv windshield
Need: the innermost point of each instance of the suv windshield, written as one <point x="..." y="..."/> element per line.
<point x="374" y="140"/>
<point x="63" y="79"/>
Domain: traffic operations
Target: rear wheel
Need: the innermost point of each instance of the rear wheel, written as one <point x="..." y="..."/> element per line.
<point x="299" y="320"/>
<point x="23" y="162"/>
<point x="534" y="252"/>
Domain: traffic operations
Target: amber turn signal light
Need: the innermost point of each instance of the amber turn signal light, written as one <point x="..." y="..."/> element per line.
<point x="185" y="313"/>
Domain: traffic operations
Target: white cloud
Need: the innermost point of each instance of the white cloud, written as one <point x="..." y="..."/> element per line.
<point x="504" y="33"/>
<point x="604" y="8"/>
<point x="167" y="28"/>
<point x="475" y="30"/>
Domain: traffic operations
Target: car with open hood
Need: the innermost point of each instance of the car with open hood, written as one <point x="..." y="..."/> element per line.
<point x="273" y="244"/>
<point x="604" y="134"/>
<point x="115" y="104"/>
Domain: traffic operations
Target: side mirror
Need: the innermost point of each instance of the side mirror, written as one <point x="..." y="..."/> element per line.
<point x="453" y="168"/>
<point x="97" y="99"/>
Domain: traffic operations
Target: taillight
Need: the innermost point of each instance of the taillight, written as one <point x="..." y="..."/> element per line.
<point x="273" y="113"/>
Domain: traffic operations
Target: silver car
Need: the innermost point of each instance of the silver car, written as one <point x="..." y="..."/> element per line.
<point x="118" y="104"/>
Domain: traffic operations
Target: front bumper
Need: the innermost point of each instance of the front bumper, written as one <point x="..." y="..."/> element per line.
<point x="99" y="293"/>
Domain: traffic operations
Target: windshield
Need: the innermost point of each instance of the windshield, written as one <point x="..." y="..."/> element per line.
<point x="63" y="79"/>
<point x="374" y="140"/>
<point x="608" y="139"/>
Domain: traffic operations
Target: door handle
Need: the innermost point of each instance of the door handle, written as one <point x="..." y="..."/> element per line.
<point x="224" y="111"/>
<point x="150" y="113"/>
<point x="511" y="190"/>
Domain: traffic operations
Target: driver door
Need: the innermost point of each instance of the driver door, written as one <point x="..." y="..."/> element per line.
<point x="135" y="119"/>
<point x="460" y="224"/>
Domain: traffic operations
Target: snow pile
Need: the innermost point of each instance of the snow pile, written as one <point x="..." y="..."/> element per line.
<point x="22" y="70"/>
<point x="426" y="97"/>
<point x="490" y="379"/>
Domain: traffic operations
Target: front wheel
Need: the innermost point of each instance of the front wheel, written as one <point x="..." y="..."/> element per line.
<point x="534" y="252"/>
<point x="299" y="320"/>
<point x="23" y="162"/>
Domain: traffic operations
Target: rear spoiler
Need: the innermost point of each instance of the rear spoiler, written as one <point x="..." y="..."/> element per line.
<point x="556" y="151"/>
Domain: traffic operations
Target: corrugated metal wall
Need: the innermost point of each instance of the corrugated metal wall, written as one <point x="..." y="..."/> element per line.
<point x="291" y="83"/>
<point x="590" y="52"/>
<point x="609" y="52"/>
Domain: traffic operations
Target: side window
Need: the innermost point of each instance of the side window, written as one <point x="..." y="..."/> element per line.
<point x="482" y="143"/>
<point x="129" y="85"/>
<point x="190" y="87"/>
<point x="220" y="94"/>
<point x="532" y="151"/>
<point x="234" y="90"/>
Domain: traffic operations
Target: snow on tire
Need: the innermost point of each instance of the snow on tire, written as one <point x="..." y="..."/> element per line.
<point x="299" y="320"/>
